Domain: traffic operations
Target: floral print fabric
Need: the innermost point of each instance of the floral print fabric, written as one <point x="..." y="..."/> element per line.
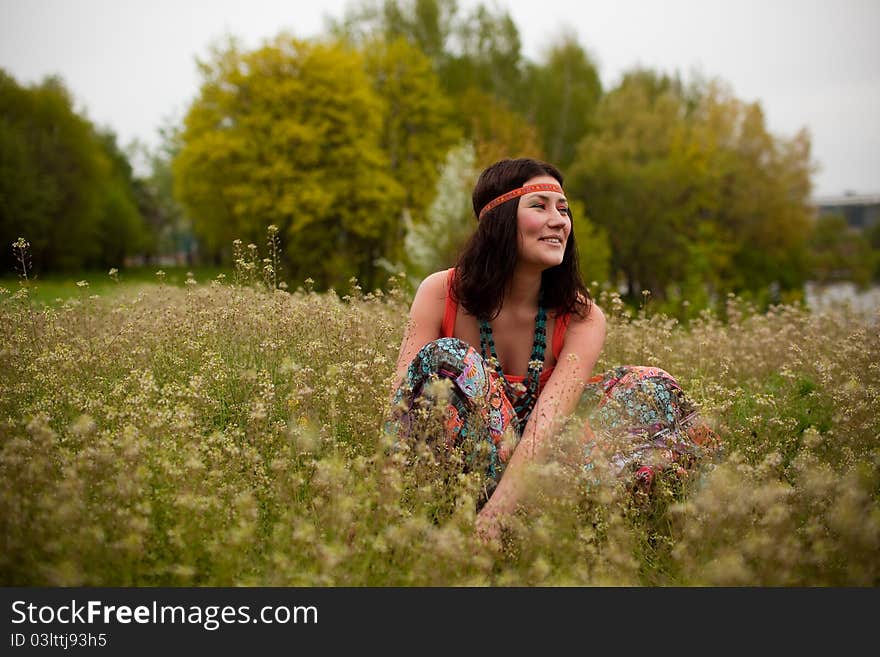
<point x="641" y="418"/>
<point x="476" y="404"/>
<point x="638" y="415"/>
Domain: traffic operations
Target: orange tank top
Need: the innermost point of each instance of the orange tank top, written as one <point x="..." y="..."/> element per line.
<point x="447" y="328"/>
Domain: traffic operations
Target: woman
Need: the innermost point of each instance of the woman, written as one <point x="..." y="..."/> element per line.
<point x="486" y="326"/>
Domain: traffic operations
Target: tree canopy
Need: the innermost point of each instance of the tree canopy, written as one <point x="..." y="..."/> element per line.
<point x="64" y="184"/>
<point x="692" y="188"/>
<point x="340" y="142"/>
<point x="291" y="135"/>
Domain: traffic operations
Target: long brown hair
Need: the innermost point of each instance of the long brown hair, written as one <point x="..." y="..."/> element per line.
<point x="487" y="262"/>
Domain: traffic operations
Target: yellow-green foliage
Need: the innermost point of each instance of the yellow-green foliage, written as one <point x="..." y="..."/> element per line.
<point x="329" y="143"/>
<point x="693" y="189"/>
<point x="289" y="135"/>
<point x="221" y="434"/>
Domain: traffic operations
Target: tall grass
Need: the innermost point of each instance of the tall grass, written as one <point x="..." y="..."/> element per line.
<point x="224" y="433"/>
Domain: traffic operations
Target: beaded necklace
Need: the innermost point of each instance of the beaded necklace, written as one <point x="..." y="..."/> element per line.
<point x="526" y="403"/>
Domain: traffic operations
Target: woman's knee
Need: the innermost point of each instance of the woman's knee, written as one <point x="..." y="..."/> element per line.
<point x="453" y="359"/>
<point x="643" y="372"/>
<point x="442" y="346"/>
<point x="449" y="356"/>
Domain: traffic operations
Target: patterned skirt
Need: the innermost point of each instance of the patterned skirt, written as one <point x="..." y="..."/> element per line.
<point x="637" y="418"/>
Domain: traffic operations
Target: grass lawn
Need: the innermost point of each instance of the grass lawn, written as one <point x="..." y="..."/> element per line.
<point x="54" y="288"/>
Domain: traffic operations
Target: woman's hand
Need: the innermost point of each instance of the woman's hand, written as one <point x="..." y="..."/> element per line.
<point x="488" y="526"/>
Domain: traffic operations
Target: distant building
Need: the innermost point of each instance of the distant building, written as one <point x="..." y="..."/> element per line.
<point x="860" y="210"/>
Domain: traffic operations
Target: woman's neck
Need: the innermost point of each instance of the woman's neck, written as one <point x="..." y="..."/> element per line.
<point x="523" y="288"/>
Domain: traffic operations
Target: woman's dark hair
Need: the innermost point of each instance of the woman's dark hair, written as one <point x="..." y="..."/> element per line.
<point x="487" y="262"/>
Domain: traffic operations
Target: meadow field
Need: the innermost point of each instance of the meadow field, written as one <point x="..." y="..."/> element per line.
<point x="222" y="433"/>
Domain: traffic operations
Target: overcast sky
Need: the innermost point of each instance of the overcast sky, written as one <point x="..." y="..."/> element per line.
<point x="130" y="64"/>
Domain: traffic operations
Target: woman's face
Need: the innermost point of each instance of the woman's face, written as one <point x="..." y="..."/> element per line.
<point x="544" y="225"/>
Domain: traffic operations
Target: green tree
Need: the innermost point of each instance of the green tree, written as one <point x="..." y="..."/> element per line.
<point x="417" y="126"/>
<point x="426" y="24"/>
<point x="635" y="176"/>
<point x="496" y="131"/>
<point x="64" y="185"/>
<point x="872" y="233"/>
<point x="759" y="191"/>
<point x="693" y="190"/>
<point x="290" y="134"/>
<point x="121" y="230"/>
<point x="594" y="248"/>
<point x="488" y="56"/>
<point x="28" y="196"/>
<point x="474" y="52"/>
<point x="562" y="94"/>
<point x="839" y="253"/>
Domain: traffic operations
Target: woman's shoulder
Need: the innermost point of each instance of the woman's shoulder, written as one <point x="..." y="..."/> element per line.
<point x="428" y="307"/>
<point x="588" y="310"/>
<point x="430" y="297"/>
<point x="583" y="338"/>
<point x="592" y="319"/>
<point x="436" y="284"/>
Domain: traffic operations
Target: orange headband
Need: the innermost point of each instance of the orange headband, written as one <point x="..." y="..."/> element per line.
<point x="519" y="191"/>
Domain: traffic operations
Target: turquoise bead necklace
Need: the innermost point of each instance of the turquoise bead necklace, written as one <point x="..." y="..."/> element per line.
<point x="524" y="404"/>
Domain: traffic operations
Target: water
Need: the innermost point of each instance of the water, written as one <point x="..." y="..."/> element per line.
<point x="827" y="297"/>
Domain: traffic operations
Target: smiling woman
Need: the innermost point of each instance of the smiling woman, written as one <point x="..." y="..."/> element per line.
<point x="516" y="283"/>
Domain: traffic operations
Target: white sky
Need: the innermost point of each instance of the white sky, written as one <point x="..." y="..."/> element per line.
<point x="130" y="64"/>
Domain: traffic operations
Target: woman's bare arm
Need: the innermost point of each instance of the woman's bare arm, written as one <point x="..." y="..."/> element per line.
<point x="424" y="323"/>
<point x="583" y="344"/>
